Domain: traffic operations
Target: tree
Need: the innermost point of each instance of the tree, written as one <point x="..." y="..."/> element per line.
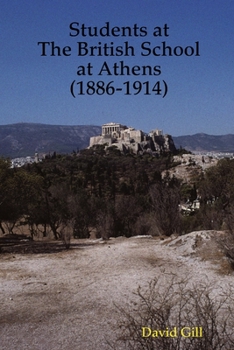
<point x="127" y="209"/>
<point x="82" y="209"/>
<point x="165" y="199"/>
<point x="217" y="195"/>
<point x="56" y="205"/>
<point x="20" y="189"/>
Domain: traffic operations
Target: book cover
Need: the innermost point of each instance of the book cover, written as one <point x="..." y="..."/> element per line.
<point x="131" y="73"/>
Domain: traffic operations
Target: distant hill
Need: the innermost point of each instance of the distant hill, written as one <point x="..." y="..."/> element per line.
<point x="24" y="139"/>
<point x="205" y="143"/>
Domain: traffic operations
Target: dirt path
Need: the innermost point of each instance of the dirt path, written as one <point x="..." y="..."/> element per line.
<point x="65" y="300"/>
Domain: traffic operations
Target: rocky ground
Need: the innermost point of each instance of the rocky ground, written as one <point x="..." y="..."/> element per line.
<point x="65" y="299"/>
<point x="190" y="166"/>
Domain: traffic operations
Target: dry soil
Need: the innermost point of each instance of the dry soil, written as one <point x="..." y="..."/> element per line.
<point x="65" y="299"/>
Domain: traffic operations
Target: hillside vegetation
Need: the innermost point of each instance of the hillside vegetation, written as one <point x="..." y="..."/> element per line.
<point x="111" y="194"/>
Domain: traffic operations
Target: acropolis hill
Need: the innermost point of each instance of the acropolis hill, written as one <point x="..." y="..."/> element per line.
<point x="129" y="139"/>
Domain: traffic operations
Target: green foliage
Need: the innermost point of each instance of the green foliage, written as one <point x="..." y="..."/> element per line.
<point x="92" y="190"/>
<point x="217" y="194"/>
<point x="188" y="192"/>
<point x="113" y="194"/>
<point x="165" y="199"/>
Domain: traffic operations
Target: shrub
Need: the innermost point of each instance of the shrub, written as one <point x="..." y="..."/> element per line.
<point x="169" y="303"/>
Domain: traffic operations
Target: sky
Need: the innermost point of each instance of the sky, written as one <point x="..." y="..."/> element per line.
<point x="36" y="81"/>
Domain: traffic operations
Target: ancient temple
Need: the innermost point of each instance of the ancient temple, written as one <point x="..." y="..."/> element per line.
<point x="127" y="138"/>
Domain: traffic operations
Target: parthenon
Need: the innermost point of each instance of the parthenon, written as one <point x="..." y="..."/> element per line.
<point x="109" y="128"/>
<point x="127" y="138"/>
